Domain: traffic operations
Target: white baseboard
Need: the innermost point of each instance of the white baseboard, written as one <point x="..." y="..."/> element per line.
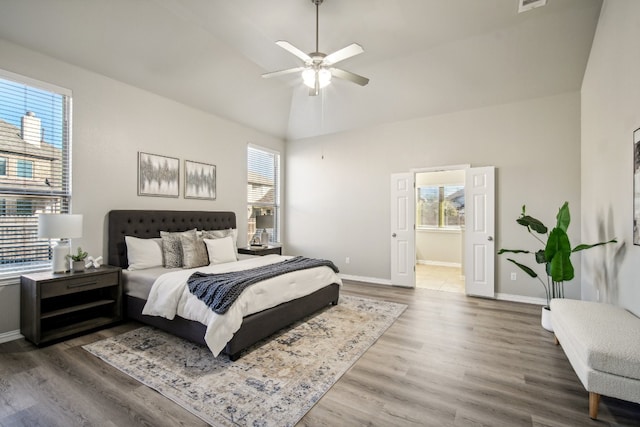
<point x="439" y="263"/>
<point x="10" y="336"/>
<point x="373" y="280"/>
<point x="520" y="298"/>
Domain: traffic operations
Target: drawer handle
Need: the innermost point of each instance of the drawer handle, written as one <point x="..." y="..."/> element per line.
<point x="79" y="285"/>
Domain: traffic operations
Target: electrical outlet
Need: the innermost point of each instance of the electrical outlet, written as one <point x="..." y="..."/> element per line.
<point x="513" y="276"/>
<point x="347" y="260"/>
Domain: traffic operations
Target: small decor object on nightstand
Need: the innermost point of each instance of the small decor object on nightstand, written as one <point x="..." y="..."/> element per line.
<point x="78" y="259"/>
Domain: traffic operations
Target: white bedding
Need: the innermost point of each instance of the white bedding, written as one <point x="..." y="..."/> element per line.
<point x="170" y="296"/>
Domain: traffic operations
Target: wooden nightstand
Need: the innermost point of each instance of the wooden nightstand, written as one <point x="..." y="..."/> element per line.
<point x="261" y="250"/>
<point x="57" y="305"/>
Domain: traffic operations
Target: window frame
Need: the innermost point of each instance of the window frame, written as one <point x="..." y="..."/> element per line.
<point x="16" y="197"/>
<point x="274" y="236"/>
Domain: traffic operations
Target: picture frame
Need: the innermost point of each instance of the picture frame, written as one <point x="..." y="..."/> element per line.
<point x="636" y="187"/>
<point x="199" y="180"/>
<point x="158" y="176"/>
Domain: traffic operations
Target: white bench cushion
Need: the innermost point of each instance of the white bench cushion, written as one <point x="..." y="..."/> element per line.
<point x="605" y="337"/>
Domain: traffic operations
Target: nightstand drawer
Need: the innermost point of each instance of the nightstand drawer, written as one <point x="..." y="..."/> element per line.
<point x="85" y="283"/>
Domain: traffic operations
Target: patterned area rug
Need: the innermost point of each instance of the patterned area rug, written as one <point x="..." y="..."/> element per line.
<point x="275" y="384"/>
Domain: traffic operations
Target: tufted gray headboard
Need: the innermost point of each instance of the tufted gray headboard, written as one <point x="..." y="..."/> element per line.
<point x="148" y="224"/>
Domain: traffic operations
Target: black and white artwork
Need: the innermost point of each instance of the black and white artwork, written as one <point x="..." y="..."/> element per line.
<point x="199" y="180"/>
<point x="636" y="187"/>
<point x="158" y="175"/>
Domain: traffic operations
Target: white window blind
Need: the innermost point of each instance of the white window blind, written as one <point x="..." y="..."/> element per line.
<point x="34" y="168"/>
<point x="263" y="189"/>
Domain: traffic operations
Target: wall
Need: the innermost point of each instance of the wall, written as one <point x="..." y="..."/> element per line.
<point x="111" y="123"/>
<point x="338" y="185"/>
<point x="610" y="114"/>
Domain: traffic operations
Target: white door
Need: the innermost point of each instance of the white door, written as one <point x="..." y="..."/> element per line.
<point x="479" y="234"/>
<point x="403" y="247"/>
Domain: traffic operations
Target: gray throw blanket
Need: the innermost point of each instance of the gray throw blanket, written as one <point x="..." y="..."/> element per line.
<point x="219" y="291"/>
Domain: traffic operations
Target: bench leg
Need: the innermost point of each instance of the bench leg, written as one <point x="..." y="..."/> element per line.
<point x="594" y="402"/>
<point x="555" y="339"/>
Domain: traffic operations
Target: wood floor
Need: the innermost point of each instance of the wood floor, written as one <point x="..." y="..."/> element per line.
<point x="448" y="360"/>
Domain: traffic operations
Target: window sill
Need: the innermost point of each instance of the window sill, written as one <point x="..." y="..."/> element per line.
<point x="13" y="278"/>
<point x="439" y="230"/>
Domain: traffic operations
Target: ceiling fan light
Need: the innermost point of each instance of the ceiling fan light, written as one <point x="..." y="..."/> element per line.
<point x="309" y="77"/>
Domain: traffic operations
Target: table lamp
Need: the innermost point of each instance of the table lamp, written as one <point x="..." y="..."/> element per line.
<point x="63" y="227"/>
<point x="264" y="222"/>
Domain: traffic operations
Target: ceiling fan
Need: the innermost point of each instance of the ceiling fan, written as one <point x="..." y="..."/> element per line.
<point x="318" y="67"/>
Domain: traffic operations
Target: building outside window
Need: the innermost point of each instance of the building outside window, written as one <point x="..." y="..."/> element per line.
<point x="440" y="206"/>
<point x="34" y="168"/>
<point x="263" y="189"/>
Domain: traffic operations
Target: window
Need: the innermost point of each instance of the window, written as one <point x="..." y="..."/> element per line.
<point x="263" y="189"/>
<point x="34" y="167"/>
<point x="440" y="206"/>
<point x="24" y="168"/>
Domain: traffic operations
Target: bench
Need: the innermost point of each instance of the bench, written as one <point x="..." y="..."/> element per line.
<point x="602" y="343"/>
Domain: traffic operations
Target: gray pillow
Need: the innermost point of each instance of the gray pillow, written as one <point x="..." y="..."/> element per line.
<point x="194" y="251"/>
<point x="219" y="234"/>
<point x="172" y="247"/>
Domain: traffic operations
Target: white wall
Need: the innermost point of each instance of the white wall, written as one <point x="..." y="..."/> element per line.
<point x="338" y="185"/>
<point x="111" y="123"/>
<point x="610" y="114"/>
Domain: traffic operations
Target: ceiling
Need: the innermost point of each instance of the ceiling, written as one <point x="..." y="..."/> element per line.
<point x="424" y="57"/>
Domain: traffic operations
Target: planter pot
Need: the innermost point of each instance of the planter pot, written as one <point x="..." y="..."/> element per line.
<point x="546" y="319"/>
<point x="78" y="265"/>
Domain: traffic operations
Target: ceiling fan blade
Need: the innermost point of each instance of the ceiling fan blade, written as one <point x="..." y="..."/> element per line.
<point x="282" y="72"/>
<point x="294" y="50"/>
<point x="346" y="52"/>
<point x="348" y="75"/>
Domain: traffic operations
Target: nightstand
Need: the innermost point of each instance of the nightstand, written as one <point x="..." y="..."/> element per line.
<point x="57" y="305"/>
<point x="261" y="250"/>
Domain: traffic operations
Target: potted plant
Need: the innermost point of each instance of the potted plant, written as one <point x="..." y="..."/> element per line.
<point x="78" y="259"/>
<point x="555" y="255"/>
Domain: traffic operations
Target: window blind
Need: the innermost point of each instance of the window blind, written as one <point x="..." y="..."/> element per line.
<point x="263" y="188"/>
<point x="34" y="168"/>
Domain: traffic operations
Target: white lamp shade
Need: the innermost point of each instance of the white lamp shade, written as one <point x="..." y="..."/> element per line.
<point x="309" y="77"/>
<point x="59" y="226"/>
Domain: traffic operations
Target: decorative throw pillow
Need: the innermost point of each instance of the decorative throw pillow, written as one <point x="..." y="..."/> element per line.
<point x="219" y="234"/>
<point x="194" y="252"/>
<point x="221" y="250"/>
<point x="172" y="247"/>
<point x="143" y="253"/>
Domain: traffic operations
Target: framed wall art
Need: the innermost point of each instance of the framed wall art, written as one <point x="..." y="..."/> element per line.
<point x="636" y="187"/>
<point x="199" y="180"/>
<point x="158" y="175"/>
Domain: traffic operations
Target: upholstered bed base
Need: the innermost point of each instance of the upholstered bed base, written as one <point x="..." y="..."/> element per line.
<point x="148" y="224"/>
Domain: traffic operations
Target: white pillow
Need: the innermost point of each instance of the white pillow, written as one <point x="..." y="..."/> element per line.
<point x="221" y="250"/>
<point x="143" y="253"/>
<point x="217" y="234"/>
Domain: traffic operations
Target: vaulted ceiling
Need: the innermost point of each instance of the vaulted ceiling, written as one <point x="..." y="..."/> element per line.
<point x="424" y="57"/>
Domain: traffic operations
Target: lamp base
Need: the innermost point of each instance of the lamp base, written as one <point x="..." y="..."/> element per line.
<point x="264" y="237"/>
<point x="59" y="261"/>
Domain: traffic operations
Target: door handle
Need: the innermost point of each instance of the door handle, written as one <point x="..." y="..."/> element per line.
<point x="393" y="235"/>
<point x="490" y="238"/>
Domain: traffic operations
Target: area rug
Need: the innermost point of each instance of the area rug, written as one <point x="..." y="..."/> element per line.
<point x="273" y="384"/>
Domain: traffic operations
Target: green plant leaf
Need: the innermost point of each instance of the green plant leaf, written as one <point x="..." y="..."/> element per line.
<point x="532" y="223"/>
<point x="524" y="268"/>
<point x="582" y="246"/>
<point x="540" y="259"/>
<point x="558" y="254"/>
<point x="513" y="251"/>
<point x="563" y="218"/>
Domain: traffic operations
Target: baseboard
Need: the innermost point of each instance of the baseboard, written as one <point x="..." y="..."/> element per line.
<point x="10" y="336"/>
<point x="439" y="263"/>
<point x="373" y="280"/>
<point x="520" y="298"/>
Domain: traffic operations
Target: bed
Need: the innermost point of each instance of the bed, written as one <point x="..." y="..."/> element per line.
<point x="147" y="224"/>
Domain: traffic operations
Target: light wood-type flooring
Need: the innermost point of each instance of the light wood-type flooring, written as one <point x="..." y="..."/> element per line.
<point x="449" y="360"/>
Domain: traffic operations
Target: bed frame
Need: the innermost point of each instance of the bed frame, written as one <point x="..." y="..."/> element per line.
<point x="255" y="327"/>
